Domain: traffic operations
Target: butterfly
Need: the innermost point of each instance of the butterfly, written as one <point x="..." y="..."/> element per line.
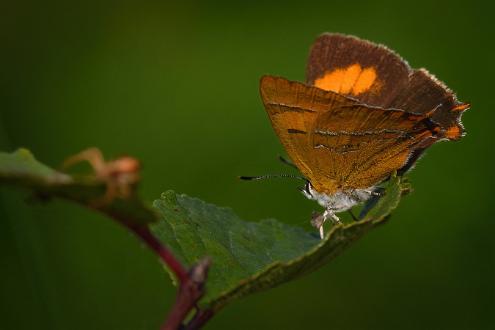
<point x="362" y="115"/>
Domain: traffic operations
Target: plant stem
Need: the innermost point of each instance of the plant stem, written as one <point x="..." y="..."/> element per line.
<point x="191" y="283"/>
<point x="165" y="255"/>
<point x="199" y="319"/>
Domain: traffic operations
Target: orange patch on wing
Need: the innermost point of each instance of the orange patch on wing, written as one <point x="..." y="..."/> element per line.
<point x="461" y="107"/>
<point x="365" y="81"/>
<point x="331" y="81"/>
<point x="453" y="132"/>
<point x="350" y="76"/>
<point x="351" y="80"/>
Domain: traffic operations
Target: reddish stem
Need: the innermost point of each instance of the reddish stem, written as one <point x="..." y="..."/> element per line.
<point x="199" y="319"/>
<point x="165" y="255"/>
<point x="120" y="177"/>
<point x="191" y="283"/>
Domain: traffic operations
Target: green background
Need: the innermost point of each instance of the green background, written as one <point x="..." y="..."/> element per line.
<point x="176" y="85"/>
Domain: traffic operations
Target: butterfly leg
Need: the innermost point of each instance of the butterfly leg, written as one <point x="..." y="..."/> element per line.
<point x="353" y="216"/>
<point x="329" y="213"/>
<point x="373" y="193"/>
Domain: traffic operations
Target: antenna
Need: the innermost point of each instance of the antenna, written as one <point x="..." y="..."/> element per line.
<point x="287" y="162"/>
<point x="272" y="176"/>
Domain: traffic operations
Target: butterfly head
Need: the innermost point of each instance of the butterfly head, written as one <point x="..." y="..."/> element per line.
<point x="310" y="192"/>
<point x="307" y="190"/>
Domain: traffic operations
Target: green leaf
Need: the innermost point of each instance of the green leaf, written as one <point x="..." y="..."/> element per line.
<point x="247" y="257"/>
<point x="20" y="168"/>
<point x="252" y="256"/>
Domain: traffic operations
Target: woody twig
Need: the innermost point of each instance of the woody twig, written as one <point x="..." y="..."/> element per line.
<point x="121" y="176"/>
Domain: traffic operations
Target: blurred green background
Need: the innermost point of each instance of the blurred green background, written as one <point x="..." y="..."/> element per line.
<point x="176" y="85"/>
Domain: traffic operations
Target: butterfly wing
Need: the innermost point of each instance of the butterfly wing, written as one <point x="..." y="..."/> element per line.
<point x="336" y="142"/>
<point x="377" y="76"/>
<point x="293" y="109"/>
<point x="368" y="144"/>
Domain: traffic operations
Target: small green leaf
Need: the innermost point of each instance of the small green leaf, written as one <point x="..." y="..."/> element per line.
<point x="20" y="168"/>
<point x="246" y="256"/>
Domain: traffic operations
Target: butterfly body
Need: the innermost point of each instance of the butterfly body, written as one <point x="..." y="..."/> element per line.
<point x="362" y="115"/>
<point x="339" y="201"/>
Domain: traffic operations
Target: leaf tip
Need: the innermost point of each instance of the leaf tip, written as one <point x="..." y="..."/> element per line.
<point x="24" y="153"/>
<point x="169" y="196"/>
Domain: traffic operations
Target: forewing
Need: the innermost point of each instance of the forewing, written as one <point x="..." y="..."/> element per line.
<point x="336" y="142"/>
<point x="370" y="73"/>
<point x="377" y="76"/>
<point x="293" y="108"/>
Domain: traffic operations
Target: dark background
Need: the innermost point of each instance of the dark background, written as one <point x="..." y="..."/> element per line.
<point x="176" y="85"/>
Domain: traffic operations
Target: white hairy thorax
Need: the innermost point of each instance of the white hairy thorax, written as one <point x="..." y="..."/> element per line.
<point x="339" y="202"/>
